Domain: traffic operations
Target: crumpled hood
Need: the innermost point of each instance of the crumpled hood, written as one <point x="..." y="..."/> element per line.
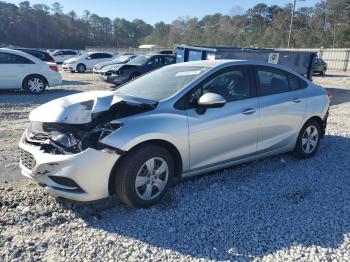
<point x="80" y="108"/>
<point x="109" y="63"/>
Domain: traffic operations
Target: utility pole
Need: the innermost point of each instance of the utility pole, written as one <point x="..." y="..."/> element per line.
<point x="291" y="23"/>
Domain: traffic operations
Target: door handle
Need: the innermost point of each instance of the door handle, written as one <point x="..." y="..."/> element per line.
<point x="249" y="111"/>
<point x="297" y="100"/>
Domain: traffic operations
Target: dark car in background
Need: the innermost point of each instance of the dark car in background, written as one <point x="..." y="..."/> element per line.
<point x="136" y="67"/>
<point x="122" y="59"/>
<point x="320" y="66"/>
<point x="42" y="55"/>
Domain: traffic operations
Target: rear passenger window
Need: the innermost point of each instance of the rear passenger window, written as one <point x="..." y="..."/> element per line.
<point x="296" y="83"/>
<point x="7" y="58"/>
<point x="271" y="81"/>
<point x="169" y="60"/>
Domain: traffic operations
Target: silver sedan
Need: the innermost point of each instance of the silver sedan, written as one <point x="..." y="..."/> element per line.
<point x="179" y="121"/>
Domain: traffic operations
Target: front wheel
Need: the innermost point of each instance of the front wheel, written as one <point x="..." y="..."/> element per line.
<point x="34" y="84"/>
<point x="308" y="140"/>
<point x="81" y="68"/>
<point x="143" y="176"/>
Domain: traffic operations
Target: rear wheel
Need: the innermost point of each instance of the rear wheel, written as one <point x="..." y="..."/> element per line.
<point x="144" y="176"/>
<point x="323" y="72"/>
<point x="81" y="68"/>
<point x="34" y="84"/>
<point x="308" y="140"/>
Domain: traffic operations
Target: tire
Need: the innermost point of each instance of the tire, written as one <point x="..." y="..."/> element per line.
<point x="81" y="68"/>
<point x="136" y="183"/>
<point x="308" y="140"/>
<point x="35" y="84"/>
<point x="323" y="72"/>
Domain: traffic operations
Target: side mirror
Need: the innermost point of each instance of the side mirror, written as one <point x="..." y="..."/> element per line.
<point x="210" y="100"/>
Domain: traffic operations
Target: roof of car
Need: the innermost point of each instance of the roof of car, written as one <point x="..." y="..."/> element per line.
<point x="17" y="52"/>
<point x="210" y="63"/>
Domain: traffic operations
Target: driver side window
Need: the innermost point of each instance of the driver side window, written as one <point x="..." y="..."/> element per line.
<point x="232" y="84"/>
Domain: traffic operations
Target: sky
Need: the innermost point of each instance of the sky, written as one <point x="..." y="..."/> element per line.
<point x="153" y="11"/>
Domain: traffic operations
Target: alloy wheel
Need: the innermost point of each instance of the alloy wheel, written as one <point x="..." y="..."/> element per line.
<point x="152" y="178"/>
<point x="36" y="85"/>
<point x="309" y="139"/>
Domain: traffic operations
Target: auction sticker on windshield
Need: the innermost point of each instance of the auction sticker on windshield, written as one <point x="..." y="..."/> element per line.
<point x="189" y="73"/>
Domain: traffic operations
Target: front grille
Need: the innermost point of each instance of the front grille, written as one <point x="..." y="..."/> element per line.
<point x="27" y="159"/>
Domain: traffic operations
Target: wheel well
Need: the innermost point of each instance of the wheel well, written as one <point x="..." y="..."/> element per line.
<point x="81" y="64"/>
<point x="318" y="120"/>
<point x="43" y="77"/>
<point x="172" y="149"/>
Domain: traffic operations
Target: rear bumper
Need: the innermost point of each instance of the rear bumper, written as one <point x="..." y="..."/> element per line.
<point x="324" y="127"/>
<point x="55" y="80"/>
<point x="80" y="177"/>
<point x="68" y="68"/>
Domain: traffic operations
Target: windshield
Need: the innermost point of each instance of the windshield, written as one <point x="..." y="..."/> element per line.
<point x="83" y="56"/>
<point x="139" y="60"/>
<point x="162" y="83"/>
<point x="121" y="58"/>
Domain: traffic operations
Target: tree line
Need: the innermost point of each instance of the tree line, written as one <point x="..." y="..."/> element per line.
<point x="327" y="24"/>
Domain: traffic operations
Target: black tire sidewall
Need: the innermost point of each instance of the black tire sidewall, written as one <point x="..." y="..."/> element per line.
<point x="298" y="150"/>
<point x="79" y="66"/>
<point x="127" y="172"/>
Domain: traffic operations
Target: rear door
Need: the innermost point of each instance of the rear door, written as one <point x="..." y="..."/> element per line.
<point x="13" y="69"/>
<point x="282" y="108"/>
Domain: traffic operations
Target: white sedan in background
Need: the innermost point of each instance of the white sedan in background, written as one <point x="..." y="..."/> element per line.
<point x="62" y="55"/>
<point x="19" y="70"/>
<point x="86" y="61"/>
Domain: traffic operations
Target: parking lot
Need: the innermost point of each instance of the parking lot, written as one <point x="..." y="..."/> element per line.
<point x="276" y="209"/>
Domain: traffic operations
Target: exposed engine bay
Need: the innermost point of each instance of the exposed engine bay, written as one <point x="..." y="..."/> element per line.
<point x="70" y="138"/>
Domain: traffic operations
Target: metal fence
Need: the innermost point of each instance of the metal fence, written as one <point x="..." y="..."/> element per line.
<point x="130" y="50"/>
<point x="336" y="58"/>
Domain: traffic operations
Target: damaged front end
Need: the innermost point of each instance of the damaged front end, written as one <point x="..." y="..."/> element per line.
<point x="61" y="149"/>
<point x="82" y="125"/>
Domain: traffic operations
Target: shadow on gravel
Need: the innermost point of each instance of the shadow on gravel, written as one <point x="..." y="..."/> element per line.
<point x="74" y="83"/>
<point x="246" y="211"/>
<point x="329" y="75"/>
<point x="340" y="96"/>
<point x="15" y="97"/>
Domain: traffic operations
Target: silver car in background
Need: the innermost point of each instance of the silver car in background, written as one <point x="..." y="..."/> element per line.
<point x="179" y="121"/>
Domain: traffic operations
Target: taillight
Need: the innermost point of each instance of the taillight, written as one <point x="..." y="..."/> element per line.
<point x="330" y="96"/>
<point x="54" y="68"/>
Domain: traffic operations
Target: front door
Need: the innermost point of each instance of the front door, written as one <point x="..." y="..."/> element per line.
<point x="224" y="134"/>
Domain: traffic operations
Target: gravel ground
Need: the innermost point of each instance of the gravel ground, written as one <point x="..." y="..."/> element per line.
<point x="276" y="209"/>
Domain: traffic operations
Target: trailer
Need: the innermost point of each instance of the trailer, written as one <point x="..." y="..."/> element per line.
<point x="301" y="62"/>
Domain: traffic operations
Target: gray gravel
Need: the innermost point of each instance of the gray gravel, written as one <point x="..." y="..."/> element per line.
<point x="276" y="209"/>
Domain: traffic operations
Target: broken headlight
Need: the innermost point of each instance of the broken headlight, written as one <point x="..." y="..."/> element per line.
<point x="93" y="137"/>
<point x="65" y="140"/>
